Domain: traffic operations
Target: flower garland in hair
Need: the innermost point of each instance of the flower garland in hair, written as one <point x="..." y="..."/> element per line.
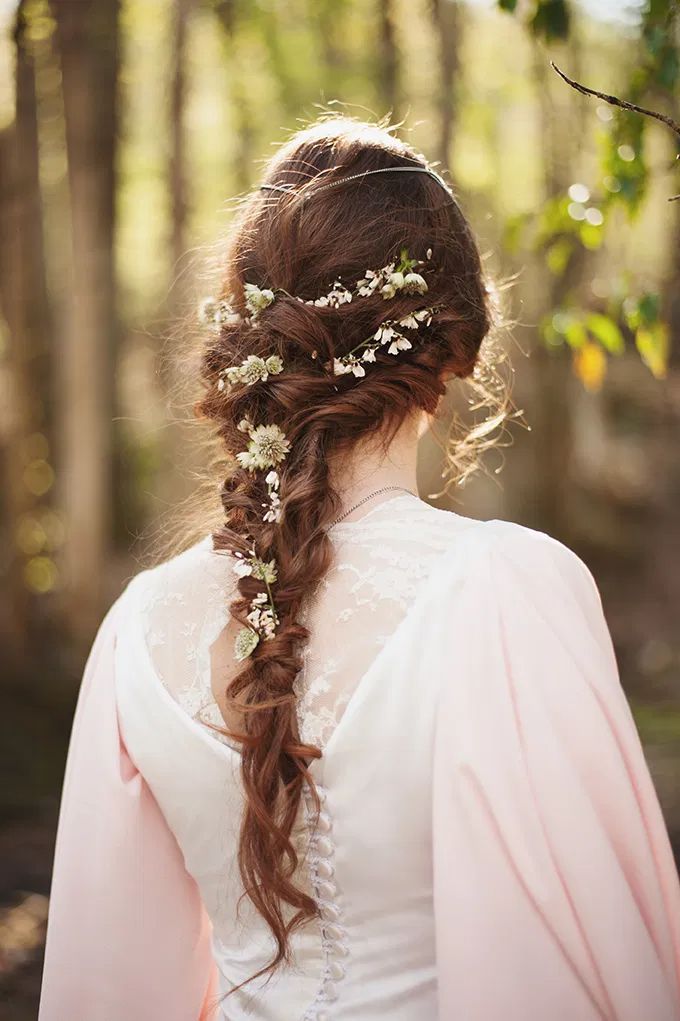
<point x="267" y="444"/>
<point x="267" y="447"/>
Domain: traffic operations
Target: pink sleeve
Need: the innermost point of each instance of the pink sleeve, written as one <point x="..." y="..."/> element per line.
<point x="128" y="938"/>
<point x="556" y="894"/>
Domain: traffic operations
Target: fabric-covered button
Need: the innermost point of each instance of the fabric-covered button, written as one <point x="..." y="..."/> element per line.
<point x="326" y="890"/>
<point x="324" y="846"/>
<point x="334" y="932"/>
<point x="324" y="868"/>
<point x="329" y="991"/>
<point x="336" y="970"/>
<point x="331" y="912"/>
<point x="323" y="823"/>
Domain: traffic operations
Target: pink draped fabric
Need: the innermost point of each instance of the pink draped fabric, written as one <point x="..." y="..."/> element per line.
<point x="556" y="893"/>
<point x="128" y="938"/>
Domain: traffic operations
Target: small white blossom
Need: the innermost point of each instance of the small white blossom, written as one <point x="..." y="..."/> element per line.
<point x="213" y="312"/>
<point x="273" y="511"/>
<point x="385" y="333"/>
<point x="247" y="459"/>
<point x="274" y="365"/>
<point x="257" y="298"/>
<point x="243" y="568"/>
<point x="368" y="355"/>
<point x="400" y="343"/>
<point x="414" y="283"/>
<point x="273" y="507"/>
<point x="207" y="311"/>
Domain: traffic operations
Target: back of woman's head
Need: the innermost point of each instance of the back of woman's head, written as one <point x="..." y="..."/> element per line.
<point x="348" y="296"/>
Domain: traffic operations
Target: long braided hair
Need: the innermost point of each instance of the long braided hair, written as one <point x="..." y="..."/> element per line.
<point x="295" y="240"/>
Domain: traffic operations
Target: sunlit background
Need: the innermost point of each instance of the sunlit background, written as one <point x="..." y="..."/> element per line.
<point x="127" y="130"/>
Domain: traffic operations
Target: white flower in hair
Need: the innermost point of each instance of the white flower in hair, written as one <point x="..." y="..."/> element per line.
<point x="400" y="343"/>
<point x="387" y="335"/>
<point x="370" y="281"/>
<point x="253" y="370"/>
<point x="217" y="313"/>
<point x="262" y="616"/>
<point x="257" y="298"/>
<point x="414" y="283"/>
<point x="243" y="568"/>
<point x="273" y="508"/>
<point x="395" y="282"/>
<point x="268" y="445"/>
<point x="248" y="459"/>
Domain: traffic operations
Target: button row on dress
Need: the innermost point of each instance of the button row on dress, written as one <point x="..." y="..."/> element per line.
<point x="333" y="936"/>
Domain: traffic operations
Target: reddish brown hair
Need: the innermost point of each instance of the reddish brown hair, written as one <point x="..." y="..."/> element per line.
<point x="301" y="243"/>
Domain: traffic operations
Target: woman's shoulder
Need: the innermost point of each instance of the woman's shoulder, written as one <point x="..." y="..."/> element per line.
<point x="528" y="557"/>
<point x="186" y="577"/>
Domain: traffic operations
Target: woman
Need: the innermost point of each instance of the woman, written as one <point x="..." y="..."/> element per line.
<point x="352" y="756"/>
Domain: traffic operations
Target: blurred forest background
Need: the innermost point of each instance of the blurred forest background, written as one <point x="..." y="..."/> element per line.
<point x="127" y="126"/>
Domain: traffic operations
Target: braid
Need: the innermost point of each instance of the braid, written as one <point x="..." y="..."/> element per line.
<point x="291" y="338"/>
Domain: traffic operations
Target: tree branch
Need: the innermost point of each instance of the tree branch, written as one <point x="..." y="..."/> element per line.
<point x="623" y="104"/>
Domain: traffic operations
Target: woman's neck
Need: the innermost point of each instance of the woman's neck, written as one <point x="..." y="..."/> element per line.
<point x="368" y="468"/>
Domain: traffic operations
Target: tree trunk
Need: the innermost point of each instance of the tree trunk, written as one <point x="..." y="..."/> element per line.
<point x="446" y="17"/>
<point x="550" y="412"/>
<point x="87" y="33"/>
<point x="239" y="99"/>
<point x="23" y="300"/>
<point x="388" y="61"/>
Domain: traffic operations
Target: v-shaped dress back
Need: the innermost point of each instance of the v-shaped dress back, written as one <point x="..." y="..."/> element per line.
<point x="490" y="845"/>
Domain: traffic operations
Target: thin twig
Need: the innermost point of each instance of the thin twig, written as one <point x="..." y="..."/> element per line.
<point x="623" y="104"/>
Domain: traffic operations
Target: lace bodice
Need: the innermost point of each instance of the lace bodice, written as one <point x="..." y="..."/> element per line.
<point x="381" y="561"/>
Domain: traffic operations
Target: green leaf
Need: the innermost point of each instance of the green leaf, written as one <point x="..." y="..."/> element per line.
<point x="575" y="334"/>
<point x="551" y="20"/>
<point x="607" y="332"/>
<point x="642" y="311"/>
<point x="558" y="254"/>
<point x="649" y="307"/>
<point x="653" y="344"/>
<point x="591" y="237"/>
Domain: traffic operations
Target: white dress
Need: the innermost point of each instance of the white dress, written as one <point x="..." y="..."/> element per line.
<point x="373" y="955"/>
<point x="490" y="846"/>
